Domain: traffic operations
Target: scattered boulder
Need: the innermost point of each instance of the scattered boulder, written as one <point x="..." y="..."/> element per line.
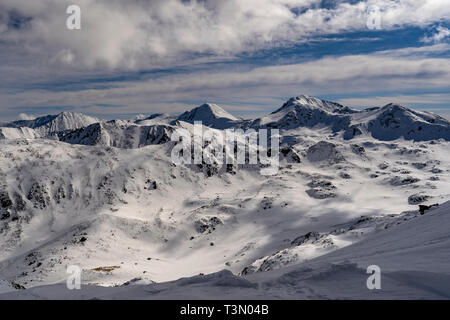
<point x="359" y="150"/>
<point x="419" y="165"/>
<point x="417" y="198"/>
<point x="266" y="203"/>
<point x="151" y="185"/>
<point x="345" y="175"/>
<point x="383" y="166"/>
<point x="401" y="181"/>
<point x="321" y="189"/>
<point x="207" y="225"/>
<point x="436" y="170"/>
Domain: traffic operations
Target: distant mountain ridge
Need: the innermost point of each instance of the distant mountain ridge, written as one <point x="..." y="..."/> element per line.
<point x="120" y="135"/>
<point x="55" y="123"/>
<point x="46" y="126"/>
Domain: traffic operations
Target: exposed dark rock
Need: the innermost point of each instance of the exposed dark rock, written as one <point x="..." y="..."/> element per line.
<point x="306" y="237"/>
<point x="5" y="200"/>
<point x="424" y="208"/>
<point x="39" y="196"/>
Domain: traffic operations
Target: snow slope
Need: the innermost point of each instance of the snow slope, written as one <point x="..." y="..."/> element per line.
<point x="131" y="205"/>
<point x="18" y="133"/>
<point x="403" y="252"/>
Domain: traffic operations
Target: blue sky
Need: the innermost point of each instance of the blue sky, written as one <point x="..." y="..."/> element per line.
<point x="142" y="57"/>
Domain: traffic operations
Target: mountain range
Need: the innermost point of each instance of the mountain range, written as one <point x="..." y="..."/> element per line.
<point x="354" y="188"/>
<point x="386" y="123"/>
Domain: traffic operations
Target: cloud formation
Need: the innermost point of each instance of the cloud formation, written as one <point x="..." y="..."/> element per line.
<point x="146" y="33"/>
<point x="264" y="87"/>
<point x="143" y="56"/>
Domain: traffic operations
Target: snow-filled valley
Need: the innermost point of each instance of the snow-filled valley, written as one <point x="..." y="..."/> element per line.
<point x="106" y="196"/>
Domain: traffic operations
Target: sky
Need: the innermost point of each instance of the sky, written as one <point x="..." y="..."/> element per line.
<point x="248" y="56"/>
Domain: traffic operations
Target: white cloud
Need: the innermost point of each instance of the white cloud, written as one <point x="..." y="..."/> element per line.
<point x="441" y="34"/>
<point x="406" y="100"/>
<point x="24" y="116"/>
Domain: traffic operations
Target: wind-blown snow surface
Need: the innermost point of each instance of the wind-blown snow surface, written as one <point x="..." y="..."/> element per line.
<point x="403" y="252"/>
<point x="108" y="198"/>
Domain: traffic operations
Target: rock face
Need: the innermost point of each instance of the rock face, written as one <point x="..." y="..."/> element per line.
<point x="119" y="134"/>
<point x="290" y="155"/>
<point x="324" y="151"/>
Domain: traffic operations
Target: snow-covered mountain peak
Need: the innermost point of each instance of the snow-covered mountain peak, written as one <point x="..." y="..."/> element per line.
<point x="309" y="102"/>
<point x="210" y="114"/>
<point x="206" y="111"/>
<point x="307" y="111"/>
<point x="71" y="120"/>
<point x="394" y="121"/>
<point x="398" y="110"/>
<point x="394" y="106"/>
